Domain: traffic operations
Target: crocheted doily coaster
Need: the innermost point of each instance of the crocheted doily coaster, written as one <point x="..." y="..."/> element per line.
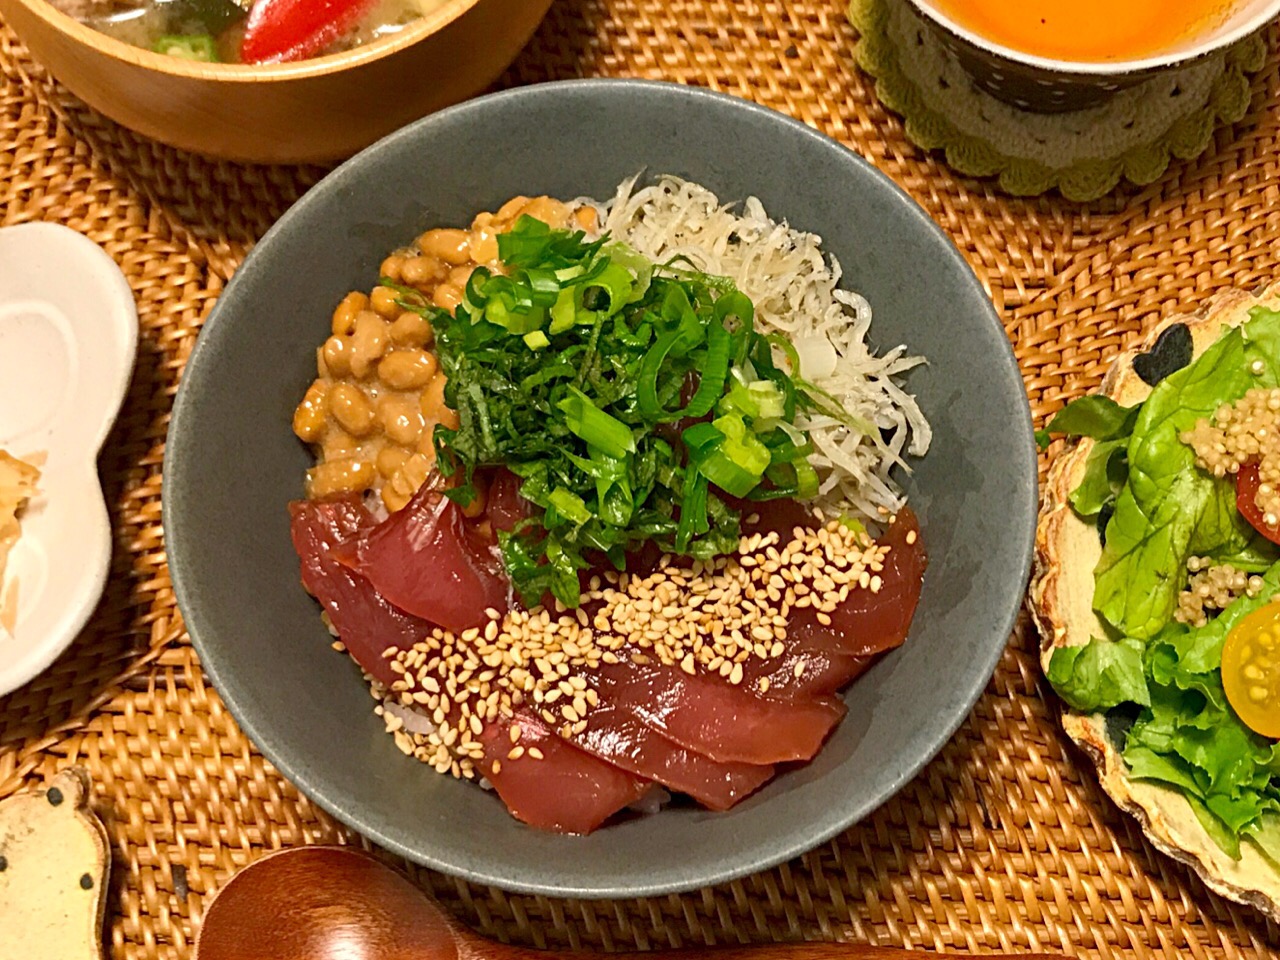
<point x="1084" y="153"/>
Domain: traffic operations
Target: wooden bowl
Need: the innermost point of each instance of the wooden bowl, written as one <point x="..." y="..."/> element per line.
<point x="314" y="110"/>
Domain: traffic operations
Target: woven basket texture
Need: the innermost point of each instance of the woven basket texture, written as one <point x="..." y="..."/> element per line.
<point x="1004" y="842"/>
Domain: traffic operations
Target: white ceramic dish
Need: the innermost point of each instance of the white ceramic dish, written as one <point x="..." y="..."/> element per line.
<point x="68" y="338"/>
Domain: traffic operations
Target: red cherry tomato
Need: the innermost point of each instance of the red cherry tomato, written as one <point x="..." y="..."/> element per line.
<point x="283" y="30"/>
<point x="1247" y="501"/>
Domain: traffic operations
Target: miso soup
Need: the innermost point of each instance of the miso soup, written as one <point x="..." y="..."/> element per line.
<point x="247" y="31"/>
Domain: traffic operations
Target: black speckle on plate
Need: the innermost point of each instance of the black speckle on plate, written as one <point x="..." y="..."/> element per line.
<point x="1170" y="353"/>
<point x="54" y="796"/>
<point x="1104" y="517"/>
<point x="86" y="882"/>
<point x="1119" y="720"/>
<point x="4" y="864"/>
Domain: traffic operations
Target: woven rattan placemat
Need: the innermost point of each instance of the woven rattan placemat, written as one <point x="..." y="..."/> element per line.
<point x="1004" y="842"/>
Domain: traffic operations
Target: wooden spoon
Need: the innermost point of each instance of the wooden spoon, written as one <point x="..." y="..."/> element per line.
<point x="335" y="903"/>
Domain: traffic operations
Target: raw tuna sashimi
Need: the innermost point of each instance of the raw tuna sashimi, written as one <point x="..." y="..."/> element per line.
<point x="429" y="560"/>
<point x="622" y="738"/>
<point x="866" y="623"/>
<point x="365" y="621"/>
<point x="706" y="714"/>
<point x="823" y="672"/>
<point x="566" y="791"/>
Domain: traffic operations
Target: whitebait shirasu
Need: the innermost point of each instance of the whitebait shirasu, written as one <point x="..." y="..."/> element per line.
<point x="796" y="292"/>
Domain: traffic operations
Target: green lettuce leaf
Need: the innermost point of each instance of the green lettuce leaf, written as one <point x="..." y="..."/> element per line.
<point x="1190" y="738"/>
<point x="1145" y="764"/>
<point x="1099" y="675"/>
<point x="1265" y="835"/>
<point x="1185" y="735"/>
<point x="1168" y="509"/>
<point x="1094" y="416"/>
<point x="1106" y="470"/>
<point x="1217" y="830"/>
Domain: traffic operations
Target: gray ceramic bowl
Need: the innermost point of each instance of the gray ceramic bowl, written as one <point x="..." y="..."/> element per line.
<point x="232" y="464"/>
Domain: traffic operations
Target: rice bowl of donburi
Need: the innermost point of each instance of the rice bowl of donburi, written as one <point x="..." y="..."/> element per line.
<point x="718" y="375"/>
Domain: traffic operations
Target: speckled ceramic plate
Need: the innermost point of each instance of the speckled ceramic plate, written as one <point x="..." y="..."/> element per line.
<point x="232" y="464"/>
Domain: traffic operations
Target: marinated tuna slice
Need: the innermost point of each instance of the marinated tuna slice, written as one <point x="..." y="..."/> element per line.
<point x="801" y="673"/>
<point x="550" y="784"/>
<point x="430" y="561"/>
<point x="505" y="507"/>
<point x="715" y="718"/>
<point x="867" y="622"/>
<point x="620" y="737"/>
<point x="366" y="622"/>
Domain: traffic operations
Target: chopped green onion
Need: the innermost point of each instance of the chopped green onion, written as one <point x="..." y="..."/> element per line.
<point x="641" y="267"/>
<point x="200" y="47"/>
<point x="569" y="504"/>
<point x="727" y="474"/>
<point x="735" y="304"/>
<point x="616" y="283"/>
<point x="566" y="368"/>
<point x="761" y="400"/>
<point x="564" y="312"/>
<point x="650" y="367"/>
<point x="715" y="367"/>
<point x="806" y="479"/>
<point x="855" y="525"/>
<point x="693" y="509"/>
<point x="596" y="427"/>
<point x="742" y="445"/>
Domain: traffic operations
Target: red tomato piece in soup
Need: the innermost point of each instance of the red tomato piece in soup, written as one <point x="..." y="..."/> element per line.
<point x="282" y="30"/>
<point x="430" y="561"/>
<point x="1247" y="483"/>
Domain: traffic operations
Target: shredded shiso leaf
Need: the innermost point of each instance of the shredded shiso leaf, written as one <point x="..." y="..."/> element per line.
<point x="634" y="401"/>
<point x="642" y="395"/>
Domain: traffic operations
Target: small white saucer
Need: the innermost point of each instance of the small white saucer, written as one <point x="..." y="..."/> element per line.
<point x="68" y="338"/>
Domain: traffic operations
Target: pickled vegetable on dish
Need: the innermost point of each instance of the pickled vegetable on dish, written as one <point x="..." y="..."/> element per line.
<point x="598" y="546"/>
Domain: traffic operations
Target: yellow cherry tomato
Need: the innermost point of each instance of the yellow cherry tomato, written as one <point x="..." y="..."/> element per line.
<point x="1251" y="670"/>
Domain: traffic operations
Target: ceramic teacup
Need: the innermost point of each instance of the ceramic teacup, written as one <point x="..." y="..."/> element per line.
<point x="1046" y="85"/>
